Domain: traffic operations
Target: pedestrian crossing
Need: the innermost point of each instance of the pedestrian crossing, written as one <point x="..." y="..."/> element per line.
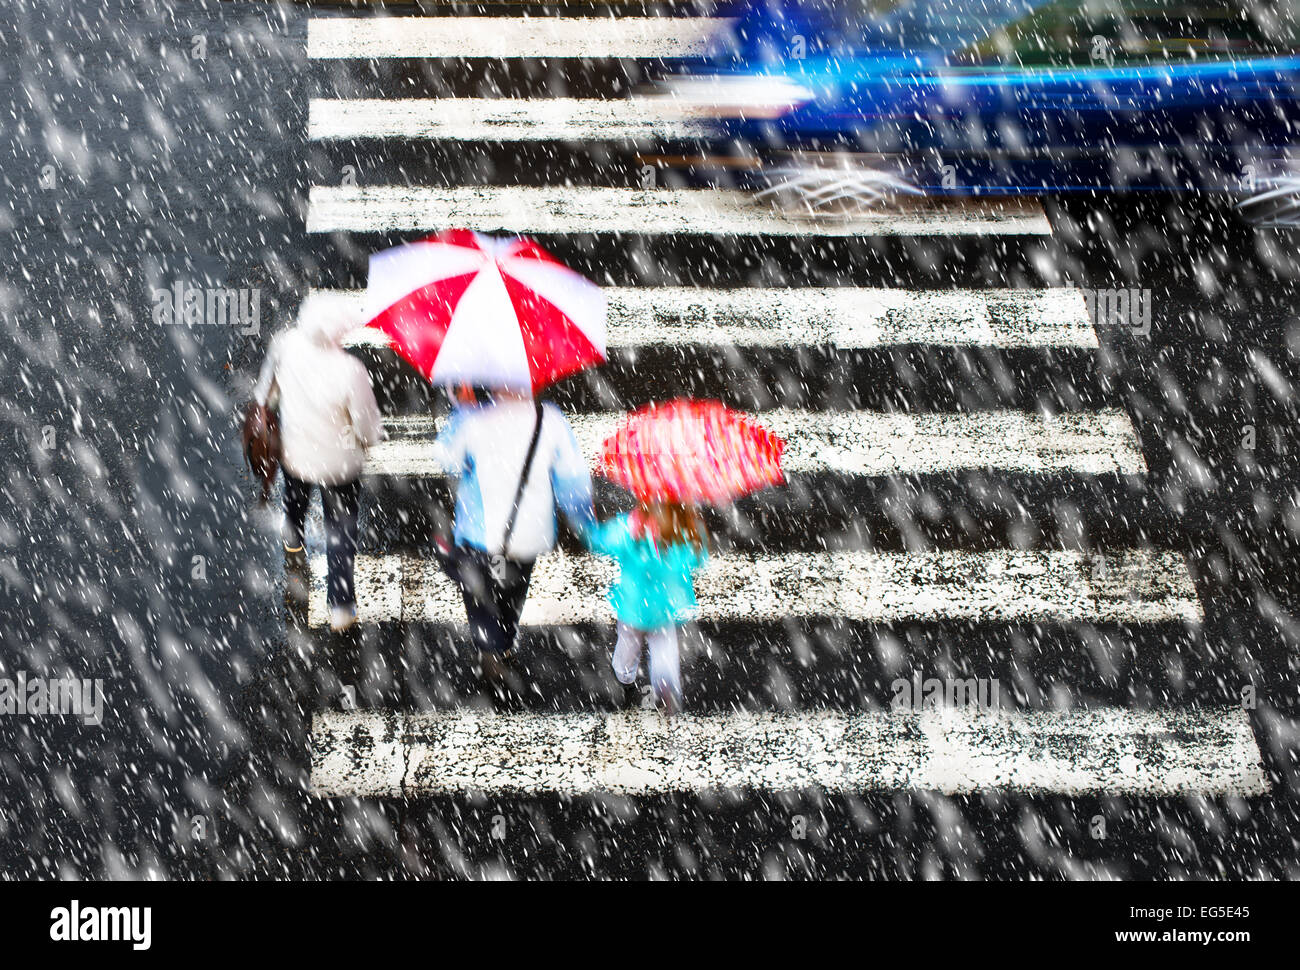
<point x="1069" y="751"/>
<point x="640" y="38"/>
<point x="562" y="210"/>
<point x="846" y="318"/>
<point x="500" y="119"/>
<point x="1131" y="586"/>
<point x="865" y="442"/>
<point x="949" y="750"/>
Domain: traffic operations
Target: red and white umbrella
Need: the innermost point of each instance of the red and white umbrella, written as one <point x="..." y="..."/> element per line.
<point x="691" y="452"/>
<point x="496" y="312"/>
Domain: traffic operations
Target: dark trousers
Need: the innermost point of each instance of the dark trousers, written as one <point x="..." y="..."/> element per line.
<point x="341" y="504"/>
<point x="494" y="589"/>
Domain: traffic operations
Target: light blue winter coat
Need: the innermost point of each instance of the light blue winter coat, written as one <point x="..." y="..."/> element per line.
<point x="484" y="446"/>
<point x="654" y="586"/>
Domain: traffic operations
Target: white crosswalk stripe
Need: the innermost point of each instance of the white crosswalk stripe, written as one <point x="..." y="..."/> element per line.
<point x="511" y="37"/>
<point x="606" y="209"/>
<point x="1133" y="586"/>
<point x="500" y="119"/>
<point x="843" y="317"/>
<point x="951" y="750"/>
<point x="867" y="442"/>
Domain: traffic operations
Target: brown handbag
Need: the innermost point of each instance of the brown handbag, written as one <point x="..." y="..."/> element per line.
<point x="262" y="445"/>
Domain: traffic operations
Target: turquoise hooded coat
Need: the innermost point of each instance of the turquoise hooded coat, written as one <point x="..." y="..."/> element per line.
<point x="654" y="586"/>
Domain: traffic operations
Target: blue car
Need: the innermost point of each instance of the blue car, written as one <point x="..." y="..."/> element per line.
<point x="851" y="101"/>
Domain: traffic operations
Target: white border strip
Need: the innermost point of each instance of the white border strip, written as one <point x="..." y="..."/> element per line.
<point x="607" y="209"/>
<point x="500" y="119"/>
<point x="867" y="442"/>
<point x="847" y="318"/>
<point x="949" y="750"/>
<point x="511" y="37"/>
<point x="1130" y="586"/>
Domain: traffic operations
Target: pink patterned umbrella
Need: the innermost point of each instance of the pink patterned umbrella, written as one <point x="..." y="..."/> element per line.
<point x="691" y="452"/>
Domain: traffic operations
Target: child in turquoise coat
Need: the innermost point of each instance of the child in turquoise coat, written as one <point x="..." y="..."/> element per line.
<point x="658" y="548"/>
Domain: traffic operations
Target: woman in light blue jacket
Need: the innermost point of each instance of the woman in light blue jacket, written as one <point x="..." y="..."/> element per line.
<point x="658" y="548"/>
<point x="515" y="460"/>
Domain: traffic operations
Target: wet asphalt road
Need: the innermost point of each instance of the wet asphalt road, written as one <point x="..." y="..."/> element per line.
<point x="131" y="551"/>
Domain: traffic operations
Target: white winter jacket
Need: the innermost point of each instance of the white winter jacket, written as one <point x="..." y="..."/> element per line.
<point x="484" y="446"/>
<point x="328" y="414"/>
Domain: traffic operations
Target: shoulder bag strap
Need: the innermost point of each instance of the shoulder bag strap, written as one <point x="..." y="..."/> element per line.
<point x="523" y="482"/>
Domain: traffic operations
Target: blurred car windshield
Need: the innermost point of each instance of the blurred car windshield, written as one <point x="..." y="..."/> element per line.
<point x="1064" y="32"/>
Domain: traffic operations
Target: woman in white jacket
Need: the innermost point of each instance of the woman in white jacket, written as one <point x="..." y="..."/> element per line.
<point x="328" y="420"/>
<point x="515" y="460"/>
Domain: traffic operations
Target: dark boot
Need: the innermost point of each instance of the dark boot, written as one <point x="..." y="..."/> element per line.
<point x="297" y="584"/>
<point x="632" y="697"/>
<point x="501" y="682"/>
